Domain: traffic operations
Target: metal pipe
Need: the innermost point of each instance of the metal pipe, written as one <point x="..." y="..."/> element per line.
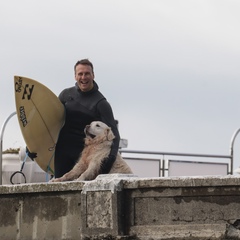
<point x="174" y="154"/>
<point x="1" y="144"/>
<point x="231" y="148"/>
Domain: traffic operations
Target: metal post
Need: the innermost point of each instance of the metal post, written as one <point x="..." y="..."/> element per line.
<point x="1" y="144"/>
<point x="163" y="167"/>
<point x="231" y="148"/>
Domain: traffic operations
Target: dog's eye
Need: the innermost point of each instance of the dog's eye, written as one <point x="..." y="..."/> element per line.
<point x="97" y="125"/>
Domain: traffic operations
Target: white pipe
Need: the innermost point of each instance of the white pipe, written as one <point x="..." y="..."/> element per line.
<point x="1" y="144"/>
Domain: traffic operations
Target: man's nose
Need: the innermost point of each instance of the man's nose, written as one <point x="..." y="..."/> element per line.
<point x="83" y="76"/>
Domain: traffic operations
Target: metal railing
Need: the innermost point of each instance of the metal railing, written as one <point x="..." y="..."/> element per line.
<point x="230" y="157"/>
<point x="162" y="161"/>
<point x="163" y="169"/>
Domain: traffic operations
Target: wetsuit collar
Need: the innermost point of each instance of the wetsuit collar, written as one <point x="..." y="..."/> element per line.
<point x="95" y="88"/>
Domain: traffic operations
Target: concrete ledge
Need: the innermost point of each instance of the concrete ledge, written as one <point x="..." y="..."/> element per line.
<point x="41" y="187"/>
<point x="123" y="207"/>
<point x="195" y="181"/>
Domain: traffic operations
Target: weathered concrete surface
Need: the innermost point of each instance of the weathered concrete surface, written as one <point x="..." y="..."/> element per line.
<point x="40" y="211"/>
<point x="185" y="208"/>
<point x="123" y="207"/>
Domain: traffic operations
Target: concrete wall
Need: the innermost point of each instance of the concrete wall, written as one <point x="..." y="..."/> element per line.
<point x="123" y="207"/>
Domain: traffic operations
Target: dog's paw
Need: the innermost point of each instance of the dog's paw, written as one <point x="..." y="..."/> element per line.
<point x="81" y="178"/>
<point x="55" y="180"/>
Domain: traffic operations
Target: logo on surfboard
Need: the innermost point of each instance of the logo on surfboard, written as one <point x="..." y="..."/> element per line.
<point x="28" y="90"/>
<point x="22" y="116"/>
<point x="18" y="85"/>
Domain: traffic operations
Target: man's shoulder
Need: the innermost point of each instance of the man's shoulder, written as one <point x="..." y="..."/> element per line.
<point x="64" y="95"/>
<point x="69" y="89"/>
<point x="99" y="94"/>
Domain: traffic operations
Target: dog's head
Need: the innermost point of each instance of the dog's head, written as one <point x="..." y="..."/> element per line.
<point x="98" y="132"/>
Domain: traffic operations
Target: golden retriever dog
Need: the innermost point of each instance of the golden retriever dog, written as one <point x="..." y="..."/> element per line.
<point x="98" y="143"/>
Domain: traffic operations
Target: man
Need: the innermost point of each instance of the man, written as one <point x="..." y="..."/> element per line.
<point x="84" y="104"/>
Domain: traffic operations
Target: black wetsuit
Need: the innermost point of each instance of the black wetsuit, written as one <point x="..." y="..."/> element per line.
<point x="81" y="109"/>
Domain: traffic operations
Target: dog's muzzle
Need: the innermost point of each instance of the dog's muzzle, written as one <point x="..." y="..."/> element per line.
<point x="87" y="133"/>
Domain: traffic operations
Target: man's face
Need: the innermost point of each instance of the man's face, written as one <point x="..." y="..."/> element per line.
<point x="84" y="77"/>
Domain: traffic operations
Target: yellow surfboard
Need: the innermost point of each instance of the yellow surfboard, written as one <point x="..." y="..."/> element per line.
<point x="41" y="116"/>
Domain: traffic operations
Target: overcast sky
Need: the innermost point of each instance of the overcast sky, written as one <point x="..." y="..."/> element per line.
<point x="169" y="68"/>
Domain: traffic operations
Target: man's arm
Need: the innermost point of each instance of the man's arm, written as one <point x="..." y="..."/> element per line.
<point x="107" y="117"/>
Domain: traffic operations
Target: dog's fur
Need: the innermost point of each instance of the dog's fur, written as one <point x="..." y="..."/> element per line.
<point x="98" y="143"/>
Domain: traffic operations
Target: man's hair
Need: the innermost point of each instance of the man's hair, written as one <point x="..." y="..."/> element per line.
<point x="83" y="62"/>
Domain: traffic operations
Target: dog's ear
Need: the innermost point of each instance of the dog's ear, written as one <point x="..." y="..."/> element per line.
<point x="109" y="134"/>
